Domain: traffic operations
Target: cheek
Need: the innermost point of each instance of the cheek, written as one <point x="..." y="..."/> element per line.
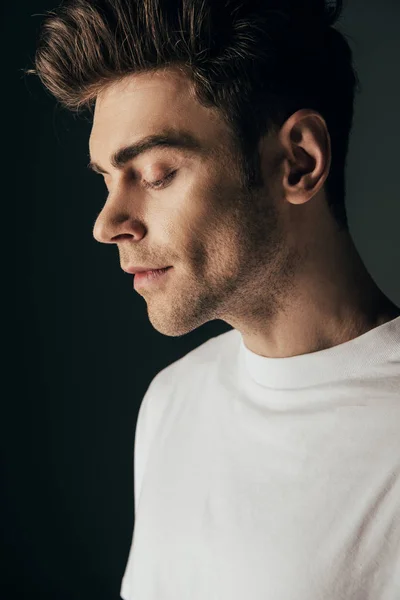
<point x="221" y="245"/>
<point x="192" y="219"/>
<point x="201" y="222"/>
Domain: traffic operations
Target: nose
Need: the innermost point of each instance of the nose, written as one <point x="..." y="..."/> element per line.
<point x="116" y="220"/>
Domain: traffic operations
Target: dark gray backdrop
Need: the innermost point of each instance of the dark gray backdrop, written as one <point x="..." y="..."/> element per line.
<point x="79" y="351"/>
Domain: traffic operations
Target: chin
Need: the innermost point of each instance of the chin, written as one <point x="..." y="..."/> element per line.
<point x="175" y="325"/>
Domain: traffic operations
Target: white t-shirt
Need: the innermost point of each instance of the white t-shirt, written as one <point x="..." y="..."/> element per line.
<point x="270" y="478"/>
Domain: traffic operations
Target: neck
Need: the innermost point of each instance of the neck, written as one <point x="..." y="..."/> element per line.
<point x="333" y="300"/>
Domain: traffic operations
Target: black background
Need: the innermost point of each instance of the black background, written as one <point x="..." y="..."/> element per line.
<point x="78" y="349"/>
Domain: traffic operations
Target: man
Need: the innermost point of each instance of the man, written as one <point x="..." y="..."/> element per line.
<point x="267" y="460"/>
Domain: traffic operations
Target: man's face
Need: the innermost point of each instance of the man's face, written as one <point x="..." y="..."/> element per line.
<point x="225" y="245"/>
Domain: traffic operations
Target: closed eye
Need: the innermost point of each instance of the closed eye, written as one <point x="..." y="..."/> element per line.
<point x="160" y="183"/>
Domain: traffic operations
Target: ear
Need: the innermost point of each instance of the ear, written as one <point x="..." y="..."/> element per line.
<point x="307" y="155"/>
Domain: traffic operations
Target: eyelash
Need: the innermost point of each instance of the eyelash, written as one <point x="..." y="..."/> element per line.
<point x="153" y="184"/>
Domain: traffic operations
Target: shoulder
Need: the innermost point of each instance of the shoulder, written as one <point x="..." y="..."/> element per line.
<point x="191" y="370"/>
<point x="210" y="353"/>
<point x="181" y="382"/>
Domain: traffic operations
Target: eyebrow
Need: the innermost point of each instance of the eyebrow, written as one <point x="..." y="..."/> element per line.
<point x="182" y="140"/>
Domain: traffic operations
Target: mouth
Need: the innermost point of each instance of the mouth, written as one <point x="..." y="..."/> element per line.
<point x="146" y="278"/>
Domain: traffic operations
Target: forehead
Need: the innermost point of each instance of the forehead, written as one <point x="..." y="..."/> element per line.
<point x="146" y="103"/>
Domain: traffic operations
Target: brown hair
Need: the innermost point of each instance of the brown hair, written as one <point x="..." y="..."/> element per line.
<point x="257" y="61"/>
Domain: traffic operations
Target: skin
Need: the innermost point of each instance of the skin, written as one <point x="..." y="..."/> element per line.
<point x="271" y="263"/>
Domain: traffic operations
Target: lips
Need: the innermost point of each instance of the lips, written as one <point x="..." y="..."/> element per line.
<point x="146" y="278"/>
<point x="151" y="271"/>
<point x="133" y="270"/>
